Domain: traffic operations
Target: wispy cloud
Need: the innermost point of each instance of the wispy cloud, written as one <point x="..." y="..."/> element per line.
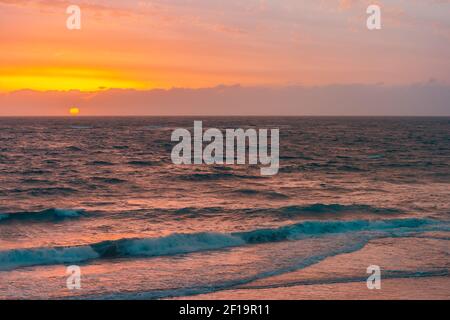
<point x="197" y="43"/>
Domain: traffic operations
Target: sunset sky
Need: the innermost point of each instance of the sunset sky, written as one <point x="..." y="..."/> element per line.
<point x="193" y="44"/>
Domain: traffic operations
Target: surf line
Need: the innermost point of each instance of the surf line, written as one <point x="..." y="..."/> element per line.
<point x="188" y="152"/>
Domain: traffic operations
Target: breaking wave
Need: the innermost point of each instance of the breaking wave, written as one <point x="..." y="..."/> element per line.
<point x="320" y="208"/>
<point x="189" y="243"/>
<point x="44" y="215"/>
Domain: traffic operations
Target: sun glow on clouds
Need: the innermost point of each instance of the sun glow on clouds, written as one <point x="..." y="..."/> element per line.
<point x="59" y="78"/>
<point x="165" y="44"/>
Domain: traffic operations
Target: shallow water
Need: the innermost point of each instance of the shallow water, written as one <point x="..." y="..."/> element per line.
<point x="102" y="193"/>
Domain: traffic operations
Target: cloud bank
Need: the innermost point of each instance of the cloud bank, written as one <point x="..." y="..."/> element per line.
<point x="425" y="99"/>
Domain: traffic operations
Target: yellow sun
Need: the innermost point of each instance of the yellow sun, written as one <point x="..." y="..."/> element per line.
<point x="74" y="111"/>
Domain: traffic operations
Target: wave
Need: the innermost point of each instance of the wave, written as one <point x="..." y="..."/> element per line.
<point x="44" y="215"/>
<point x="141" y="163"/>
<point x="109" y="180"/>
<point x="151" y="247"/>
<point x="207" y="176"/>
<point x="100" y="163"/>
<point x="74" y="148"/>
<point x="46" y="191"/>
<point x="219" y="175"/>
<point x="196" y="212"/>
<point x="189" y="243"/>
<point x="311" y="210"/>
<point x="318" y="228"/>
<point x="261" y="193"/>
<point x="34" y="172"/>
<point x="320" y="208"/>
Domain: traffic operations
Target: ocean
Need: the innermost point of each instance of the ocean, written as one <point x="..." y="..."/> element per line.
<point x="104" y="195"/>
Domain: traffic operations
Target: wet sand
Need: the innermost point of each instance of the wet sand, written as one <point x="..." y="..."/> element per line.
<point x="422" y="275"/>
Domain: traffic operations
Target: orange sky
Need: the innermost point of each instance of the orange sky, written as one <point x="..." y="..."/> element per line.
<point x="203" y="43"/>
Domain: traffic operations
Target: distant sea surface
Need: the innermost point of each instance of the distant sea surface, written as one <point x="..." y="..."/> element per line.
<point x="103" y="194"/>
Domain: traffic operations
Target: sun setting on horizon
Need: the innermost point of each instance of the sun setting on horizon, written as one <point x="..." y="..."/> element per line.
<point x="74" y="111"/>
